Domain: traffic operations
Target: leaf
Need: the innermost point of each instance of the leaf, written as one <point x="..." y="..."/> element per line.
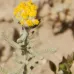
<point x="52" y="66"/>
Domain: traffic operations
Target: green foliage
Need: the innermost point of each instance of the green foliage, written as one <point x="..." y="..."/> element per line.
<point x="66" y="64"/>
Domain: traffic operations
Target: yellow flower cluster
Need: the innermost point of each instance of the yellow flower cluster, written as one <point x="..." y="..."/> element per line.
<point x="26" y="13"/>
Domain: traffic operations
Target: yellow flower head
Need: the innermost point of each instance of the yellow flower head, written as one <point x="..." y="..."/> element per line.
<point x="21" y="22"/>
<point x="29" y="23"/>
<point x="36" y="22"/>
<point x="25" y="11"/>
<point x="24" y="15"/>
<point x="32" y="14"/>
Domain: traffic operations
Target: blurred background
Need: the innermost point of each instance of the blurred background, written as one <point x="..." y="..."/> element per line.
<point x="63" y="41"/>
